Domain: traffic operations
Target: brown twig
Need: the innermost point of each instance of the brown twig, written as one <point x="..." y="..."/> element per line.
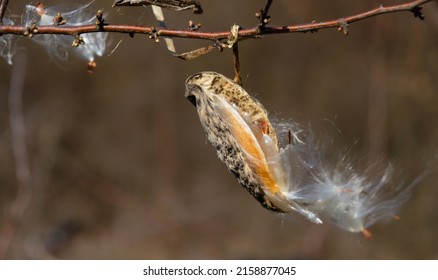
<point x="3" y="6"/>
<point x="254" y="32"/>
<point x="236" y="63"/>
<point x="263" y="16"/>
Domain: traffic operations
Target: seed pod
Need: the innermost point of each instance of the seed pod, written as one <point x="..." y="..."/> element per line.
<point x="238" y="127"/>
<point x="296" y="177"/>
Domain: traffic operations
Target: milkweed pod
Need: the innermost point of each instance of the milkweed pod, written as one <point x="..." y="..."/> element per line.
<point x="296" y="177"/>
<point x="238" y="127"/>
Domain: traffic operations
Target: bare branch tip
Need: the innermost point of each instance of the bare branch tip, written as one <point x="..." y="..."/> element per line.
<point x="262" y="14"/>
<point x="417" y="12"/>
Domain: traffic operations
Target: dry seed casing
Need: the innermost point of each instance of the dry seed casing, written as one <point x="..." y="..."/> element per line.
<point x="237" y="125"/>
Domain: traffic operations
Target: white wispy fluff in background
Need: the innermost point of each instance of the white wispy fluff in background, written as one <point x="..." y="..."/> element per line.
<point x="60" y="46"/>
<point x="7" y="43"/>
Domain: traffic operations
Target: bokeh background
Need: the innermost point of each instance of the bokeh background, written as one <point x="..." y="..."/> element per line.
<point x="121" y="168"/>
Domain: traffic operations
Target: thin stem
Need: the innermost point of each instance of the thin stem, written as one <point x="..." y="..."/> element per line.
<point x="263" y="15"/>
<point x="3" y="6"/>
<point x="236" y="63"/>
<point x="214" y="36"/>
<point x="266" y="8"/>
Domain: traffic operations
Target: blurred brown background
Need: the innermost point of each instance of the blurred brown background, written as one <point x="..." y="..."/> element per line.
<point x="121" y="169"/>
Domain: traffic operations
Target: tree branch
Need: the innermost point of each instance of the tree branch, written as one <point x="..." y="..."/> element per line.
<point x="255" y="32"/>
<point x="3" y="6"/>
<point x="263" y="14"/>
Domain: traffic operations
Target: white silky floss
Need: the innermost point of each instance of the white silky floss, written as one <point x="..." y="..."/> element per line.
<point x="341" y="193"/>
<point x="59" y="46"/>
<point x="7" y="43"/>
